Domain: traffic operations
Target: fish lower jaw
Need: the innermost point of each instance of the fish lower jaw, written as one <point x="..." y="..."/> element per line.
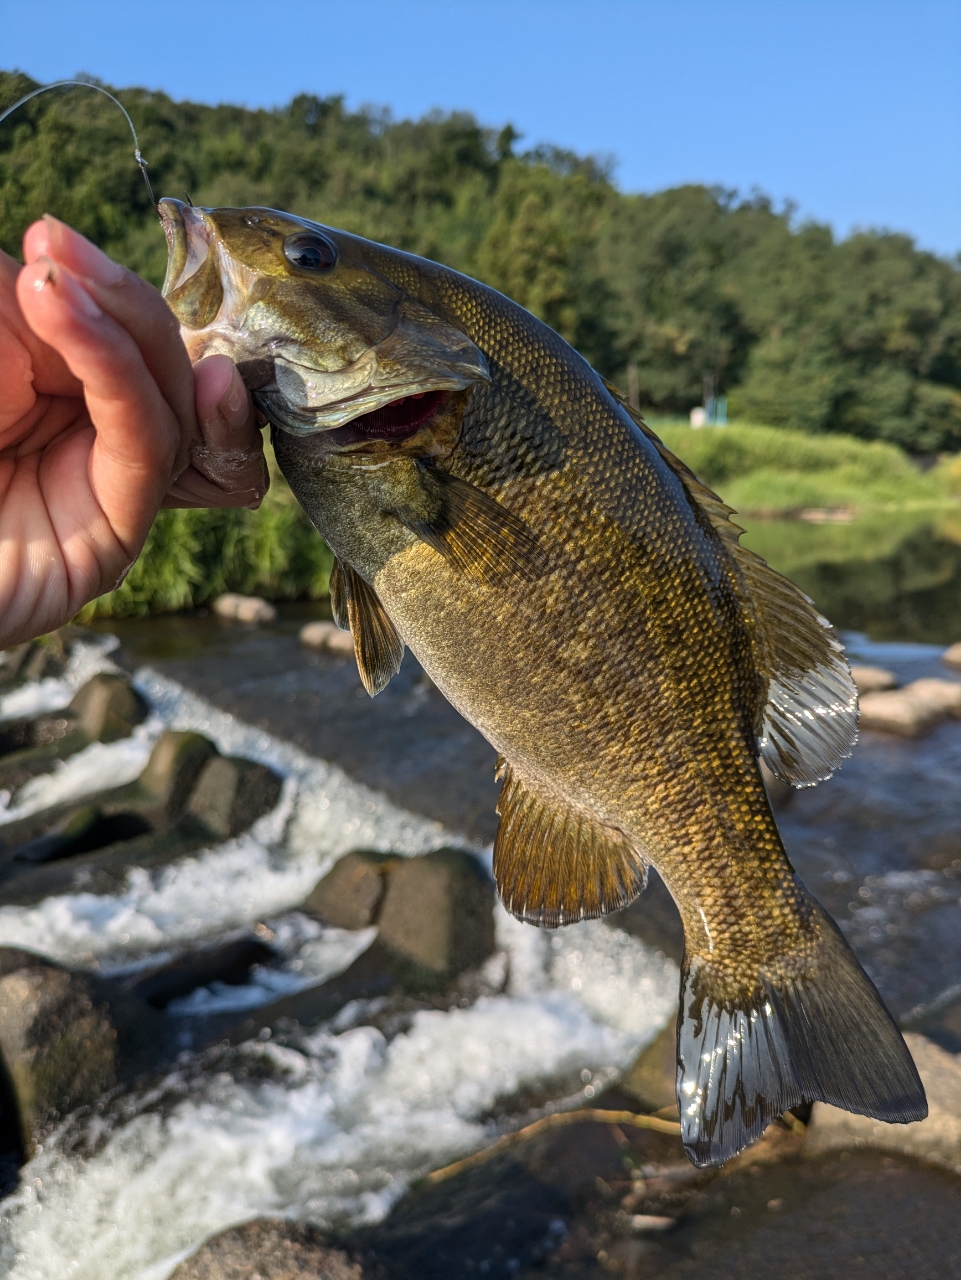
<point x="315" y="420"/>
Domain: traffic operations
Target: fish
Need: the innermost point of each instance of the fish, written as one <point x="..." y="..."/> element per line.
<point x="495" y="506"/>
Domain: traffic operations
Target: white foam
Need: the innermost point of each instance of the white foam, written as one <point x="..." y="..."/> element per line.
<point x="87" y="657"/>
<point x="317" y="960"/>
<point x="270" y="869"/>
<point x="341" y="1128"/>
<point x="95" y="768"/>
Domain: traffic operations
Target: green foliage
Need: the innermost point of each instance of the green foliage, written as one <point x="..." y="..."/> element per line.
<point x="771" y="470"/>
<point x="193" y="555"/>
<point x="861" y="337"/>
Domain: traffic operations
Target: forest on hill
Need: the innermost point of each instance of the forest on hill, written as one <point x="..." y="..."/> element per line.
<point x="860" y="336"/>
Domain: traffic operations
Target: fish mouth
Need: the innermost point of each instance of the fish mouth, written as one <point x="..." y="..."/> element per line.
<point x="400" y="381"/>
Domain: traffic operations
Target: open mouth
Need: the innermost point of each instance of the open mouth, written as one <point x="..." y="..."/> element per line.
<point x="397" y="420"/>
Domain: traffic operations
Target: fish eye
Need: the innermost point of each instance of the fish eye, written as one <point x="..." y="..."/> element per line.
<point x="310" y="251"/>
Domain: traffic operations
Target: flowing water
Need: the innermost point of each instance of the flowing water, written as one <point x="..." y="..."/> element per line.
<point x="333" y="1123"/>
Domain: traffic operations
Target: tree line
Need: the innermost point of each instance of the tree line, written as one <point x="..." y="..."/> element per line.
<point x="692" y="285"/>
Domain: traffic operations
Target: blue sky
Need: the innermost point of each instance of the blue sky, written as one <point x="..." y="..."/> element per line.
<point x="851" y="108"/>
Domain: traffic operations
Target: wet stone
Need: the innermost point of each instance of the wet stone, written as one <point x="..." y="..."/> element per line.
<point x="438" y="911"/>
<point x="268" y="1250"/>
<point x="952" y="656"/>
<point x="108" y="708"/>
<point x="230" y="963"/>
<point x="231" y="794"/>
<point x="173" y="767"/>
<point x="936" y="1138"/>
<point x="57" y="1044"/>
<point x="11" y="661"/>
<point x="351" y="894"/>
<point x="943" y="694"/>
<point x="651" y="1081"/>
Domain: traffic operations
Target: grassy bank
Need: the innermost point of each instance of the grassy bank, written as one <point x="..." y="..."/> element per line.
<point x="192" y="556"/>
<point x="771" y="471"/>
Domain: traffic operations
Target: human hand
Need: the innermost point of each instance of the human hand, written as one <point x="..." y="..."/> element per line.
<point x="102" y="421"/>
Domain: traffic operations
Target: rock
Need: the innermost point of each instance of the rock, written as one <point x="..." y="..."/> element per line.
<point x="108" y="708"/>
<point x="899" y="712"/>
<point x="11" y="660"/>
<point x="651" y="1081"/>
<point x="350" y="895"/>
<point x="943" y="694"/>
<point x="952" y="656"/>
<point x="439" y="911"/>
<point x="873" y="679"/>
<point x="232" y="793"/>
<point x="325" y="635"/>
<point x="57" y="1042"/>
<point x="937" y="1138"/>
<point x="266" y="1250"/>
<point x="173" y="768"/>
<point x="244" y="608"/>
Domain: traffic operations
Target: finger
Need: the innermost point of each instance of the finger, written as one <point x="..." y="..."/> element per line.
<point x="134" y="304"/>
<point x="46" y="372"/>
<point x="230" y="455"/>
<point x="137" y="434"/>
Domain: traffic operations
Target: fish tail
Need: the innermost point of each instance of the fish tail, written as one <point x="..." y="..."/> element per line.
<point x="810" y="1029"/>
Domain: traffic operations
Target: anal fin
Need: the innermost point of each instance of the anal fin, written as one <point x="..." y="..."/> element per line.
<point x="553" y="865"/>
<point x="356" y="607"/>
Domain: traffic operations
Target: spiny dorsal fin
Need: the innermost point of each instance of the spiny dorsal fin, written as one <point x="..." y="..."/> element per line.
<point x="473" y="531"/>
<point x="552" y="865"/>
<point x="808" y="721"/>
<point x="377" y="646"/>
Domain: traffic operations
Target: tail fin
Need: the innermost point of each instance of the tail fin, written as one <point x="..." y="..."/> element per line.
<point x="823" y="1035"/>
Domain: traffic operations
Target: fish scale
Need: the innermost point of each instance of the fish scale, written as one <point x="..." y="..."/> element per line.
<point x="583" y="600"/>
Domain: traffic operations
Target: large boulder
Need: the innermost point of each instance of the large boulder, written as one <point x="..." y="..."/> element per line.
<point x="57" y="1043"/>
<point x="438" y="912"/>
<point x="351" y="894"/>
<point x="899" y="712"/>
<point x="230" y="794"/>
<point x="268" y="1250"/>
<point x="108" y="708"/>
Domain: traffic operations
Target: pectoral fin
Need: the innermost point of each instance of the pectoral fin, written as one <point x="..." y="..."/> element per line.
<point x="357" y="607"/>
<point x="552" y="865"/>
<point x="474" y="532"/>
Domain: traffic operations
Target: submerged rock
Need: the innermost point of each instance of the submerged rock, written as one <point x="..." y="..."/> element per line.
<point x="651" y="1081"/>
<point x="269" y="1250"/>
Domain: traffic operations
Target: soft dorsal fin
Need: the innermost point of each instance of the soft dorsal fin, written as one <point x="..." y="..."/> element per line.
<point x="356" y="607"/>
<point x="552" y="865"/>
<point x="474" y="532"/>
<point x="809" y="719"/>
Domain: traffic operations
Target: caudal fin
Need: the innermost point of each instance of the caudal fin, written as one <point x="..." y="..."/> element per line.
<point x="823" y="1035"/>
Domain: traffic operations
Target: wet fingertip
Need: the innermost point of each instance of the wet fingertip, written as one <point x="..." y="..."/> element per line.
<point x="234" y="405"/>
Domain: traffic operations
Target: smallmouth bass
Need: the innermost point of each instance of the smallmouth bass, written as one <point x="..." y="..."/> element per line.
<point x="476" y="480"/>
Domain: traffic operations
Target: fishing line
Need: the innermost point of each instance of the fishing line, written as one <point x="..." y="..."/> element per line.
<point x="85" y="84"/>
